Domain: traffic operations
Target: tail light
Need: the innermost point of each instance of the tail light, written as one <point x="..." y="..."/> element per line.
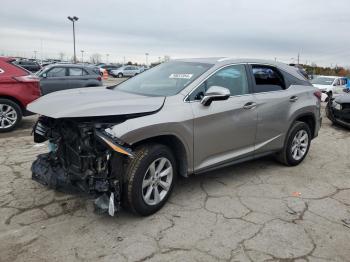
<point x="99" y="78"/>
<point x="318" y="94"/>
<point x="32" y="82"/>
<point x="27" y="78"/>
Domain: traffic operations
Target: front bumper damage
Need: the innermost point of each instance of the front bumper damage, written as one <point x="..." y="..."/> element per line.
<point x="82" y="156"/>
<point x="340" y="115"/>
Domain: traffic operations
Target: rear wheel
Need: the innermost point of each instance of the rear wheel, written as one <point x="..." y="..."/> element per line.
<point x="10" y="115"/>
<point x="150" y="179"/>
<point x="297" y="145"/>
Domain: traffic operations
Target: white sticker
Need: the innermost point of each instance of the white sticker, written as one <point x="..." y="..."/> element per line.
<point x="181" y="76"/>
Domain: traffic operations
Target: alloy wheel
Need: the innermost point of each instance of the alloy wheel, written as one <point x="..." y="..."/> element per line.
<point x="8" y="116"/>
<point x="157" y="181"/>
<point x="300" y="145"/>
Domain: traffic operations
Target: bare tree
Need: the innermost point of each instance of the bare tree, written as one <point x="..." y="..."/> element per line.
<point x="95" y="58"/>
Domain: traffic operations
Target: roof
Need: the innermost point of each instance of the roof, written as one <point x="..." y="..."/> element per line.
<point x="221" y="61"/>
<point x="6" y="58"/>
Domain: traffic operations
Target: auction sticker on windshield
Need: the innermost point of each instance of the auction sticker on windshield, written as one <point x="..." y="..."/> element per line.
<point x="181" y="76"/>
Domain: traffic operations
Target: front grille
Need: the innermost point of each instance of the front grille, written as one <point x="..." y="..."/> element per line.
<point x="345" y="106"/>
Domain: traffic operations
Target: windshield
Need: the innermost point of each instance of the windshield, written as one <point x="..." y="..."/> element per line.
<point x="165" y="79"/>
<point x="323" y="81"/>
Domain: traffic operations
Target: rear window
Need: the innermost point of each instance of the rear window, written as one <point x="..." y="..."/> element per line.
<point x="267" y="79"/>
<point x="13" y="63"/>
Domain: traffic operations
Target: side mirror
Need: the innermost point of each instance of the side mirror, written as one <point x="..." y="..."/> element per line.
<point x="44" y="75"/>
<point x="215" y="93"/>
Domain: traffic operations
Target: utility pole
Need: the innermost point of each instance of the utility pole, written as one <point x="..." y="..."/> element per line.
<point x="82" y="56"/>
<point x="298" y="58"/>
<point x="147" y="54"/>
<point x="124" y="60"/>
<point x="41" y="50"/>
<point x="107" y="55"/>
<point x="35" y="54"/>
<point x="73" y="20"/>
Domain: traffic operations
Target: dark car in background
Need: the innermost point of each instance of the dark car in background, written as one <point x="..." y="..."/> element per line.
<point x="68" y="76"/>
<point x="338" y="109"/>
<point x="18" y="87"/>
<point x="29" y="65"/>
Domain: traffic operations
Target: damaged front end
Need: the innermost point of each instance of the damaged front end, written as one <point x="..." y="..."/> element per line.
<point x="338" y="110"/>
<point x="81" y="155"/>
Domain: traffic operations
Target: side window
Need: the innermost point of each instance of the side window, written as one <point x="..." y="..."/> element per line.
<point x="57" y="72"/>
<point x="267" y="78"/>
<point x="234" y="78"/>
<point x="73" y="71"/>
<point x="337" y="82"/>
<point x="85" y="73"/>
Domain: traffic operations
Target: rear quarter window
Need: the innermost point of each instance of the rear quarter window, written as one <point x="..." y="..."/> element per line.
<point x="267" y="79"/>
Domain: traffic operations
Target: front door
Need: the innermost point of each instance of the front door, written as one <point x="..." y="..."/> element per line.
<point x="225" y="130"/>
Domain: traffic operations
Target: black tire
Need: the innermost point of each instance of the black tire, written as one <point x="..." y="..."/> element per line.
<point x="136" y="169"/>
<point x="18" y="110"/>
<point x="285" y="155"/>
<point x="120" y="75"/>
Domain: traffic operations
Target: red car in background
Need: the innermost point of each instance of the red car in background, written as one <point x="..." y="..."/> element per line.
<point x="18" y="87"/>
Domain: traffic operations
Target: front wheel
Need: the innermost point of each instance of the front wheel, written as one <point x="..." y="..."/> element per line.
<point x="120" y="75"/>
<point x="297" y="145"/>
<point x="10" y="115"/>
<point x="150" y="179"/>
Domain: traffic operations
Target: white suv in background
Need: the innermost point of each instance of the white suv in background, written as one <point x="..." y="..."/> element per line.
<point x="128" y="70"/>
<point x="330" y="85"/>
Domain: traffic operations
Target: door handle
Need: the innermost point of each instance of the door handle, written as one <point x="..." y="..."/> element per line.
<point x="249" y="105"/>
<point x="293" y="98"/>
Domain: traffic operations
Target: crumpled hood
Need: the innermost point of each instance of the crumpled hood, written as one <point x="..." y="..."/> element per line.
<point x="342" y="99"/>
<point x="93" y="101"/>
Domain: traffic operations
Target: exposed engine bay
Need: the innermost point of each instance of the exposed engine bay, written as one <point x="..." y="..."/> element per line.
<point x="82" y="155"/>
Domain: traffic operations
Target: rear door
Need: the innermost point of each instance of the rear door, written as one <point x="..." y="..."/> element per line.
<point x="78" y="77"/>
<point x="225" y="130"/>
<point x="128" y="71"/>
<point x="54" y="79"/>
<point x="274" y="103"/>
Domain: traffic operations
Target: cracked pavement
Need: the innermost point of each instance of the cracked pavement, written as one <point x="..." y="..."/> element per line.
<point x="255" y="211"/>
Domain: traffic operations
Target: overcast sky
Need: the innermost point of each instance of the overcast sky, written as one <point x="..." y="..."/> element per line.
<point x="318" y="29"/>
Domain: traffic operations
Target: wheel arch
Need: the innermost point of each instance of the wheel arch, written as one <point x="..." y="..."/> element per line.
<point x="175" y="145"/>
<point x="11" y="98"/>
<point x="307" y="118"/>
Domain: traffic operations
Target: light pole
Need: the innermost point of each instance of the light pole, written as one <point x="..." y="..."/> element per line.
<point x="147" y="54"/>
<point x="73" y="19"/>
<point x="82" y="56"/>
<point x="107" y="55"/>
<point x="35" y="54"/>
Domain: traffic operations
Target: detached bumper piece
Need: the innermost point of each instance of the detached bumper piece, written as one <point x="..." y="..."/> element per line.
<point x="44" y="173"/>
<point x="49" y="173"/>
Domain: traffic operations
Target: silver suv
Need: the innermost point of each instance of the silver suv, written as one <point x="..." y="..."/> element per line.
<point x="126" y="71"/>
<point x="128" y="143"/>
